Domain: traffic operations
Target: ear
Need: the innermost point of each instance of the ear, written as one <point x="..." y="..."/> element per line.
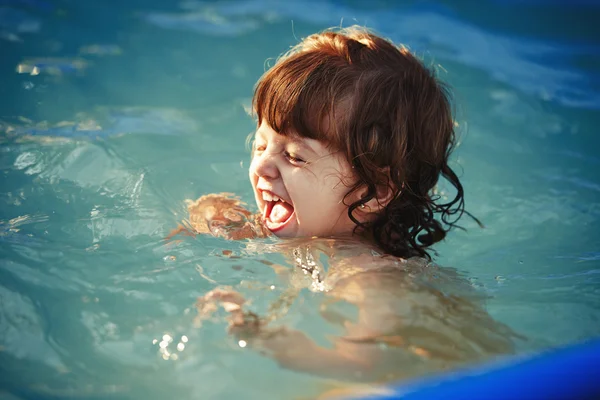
<point x="385" y="193"/>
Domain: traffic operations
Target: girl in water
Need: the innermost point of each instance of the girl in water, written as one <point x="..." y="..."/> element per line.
<point x="353" y="134"/>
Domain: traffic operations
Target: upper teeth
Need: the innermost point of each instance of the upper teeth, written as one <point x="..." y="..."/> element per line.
<point x="270" y="197"/>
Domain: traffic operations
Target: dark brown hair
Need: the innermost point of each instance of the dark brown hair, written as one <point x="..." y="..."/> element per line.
<point x="389" y="115"/>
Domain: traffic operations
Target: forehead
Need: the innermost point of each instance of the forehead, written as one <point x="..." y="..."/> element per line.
<point x="317" y="146"/>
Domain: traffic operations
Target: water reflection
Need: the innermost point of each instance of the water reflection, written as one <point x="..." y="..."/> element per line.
<point x="52" y="66"/>
<point x="107" y="121"/>
<point x="101" y="50"/>
<point x="17" y="21"/>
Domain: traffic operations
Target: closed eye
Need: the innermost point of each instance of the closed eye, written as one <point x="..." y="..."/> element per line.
<point x="260" y="147"/>
<point x="293" y="158"/>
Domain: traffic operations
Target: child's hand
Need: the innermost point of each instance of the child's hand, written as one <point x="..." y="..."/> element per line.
<point x="222" y="215"/>
<point x="216" y="209"/>
<point x="242" y="324"/>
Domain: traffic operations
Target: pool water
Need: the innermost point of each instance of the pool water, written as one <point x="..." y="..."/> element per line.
<point x="113" y="113"/>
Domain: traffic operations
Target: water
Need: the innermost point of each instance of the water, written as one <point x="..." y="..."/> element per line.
<point x="113" y="113"/>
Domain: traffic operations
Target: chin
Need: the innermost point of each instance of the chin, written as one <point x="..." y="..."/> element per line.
<point x="289" y="230"/>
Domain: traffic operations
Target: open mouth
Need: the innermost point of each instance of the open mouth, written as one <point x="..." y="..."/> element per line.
<point x="277" y="212"/>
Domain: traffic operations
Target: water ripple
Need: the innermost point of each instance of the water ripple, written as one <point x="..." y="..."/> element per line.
<point x="516" y="61"/>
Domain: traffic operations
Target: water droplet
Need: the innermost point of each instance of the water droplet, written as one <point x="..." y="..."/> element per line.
<point x="242" y="343"/>
<point x="167" y="338"/>
<point x="184" y="339"/>
<point x="180" y="346"/>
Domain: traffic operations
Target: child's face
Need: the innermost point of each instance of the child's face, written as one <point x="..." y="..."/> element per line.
<point x="309" y="180"/>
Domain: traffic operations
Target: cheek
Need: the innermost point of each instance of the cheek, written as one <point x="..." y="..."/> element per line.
<point x="251" y="170"/>
<point x="305" y="191"/>
<point x="335" y="184"/>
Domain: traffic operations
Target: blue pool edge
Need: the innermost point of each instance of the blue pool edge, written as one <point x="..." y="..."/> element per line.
<point x="571" y="372"/>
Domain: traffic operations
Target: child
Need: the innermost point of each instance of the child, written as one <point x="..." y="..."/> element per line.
<point x="353" y="135"/>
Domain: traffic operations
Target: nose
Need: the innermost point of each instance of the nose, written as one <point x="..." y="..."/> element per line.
<point x="265" y="166"/>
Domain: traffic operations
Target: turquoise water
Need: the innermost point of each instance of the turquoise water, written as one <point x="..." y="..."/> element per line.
<point x="113" y="113"/>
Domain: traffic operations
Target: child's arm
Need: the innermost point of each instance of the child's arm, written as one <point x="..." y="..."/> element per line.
<point x="400" y="326"/>
<point x="292" y="349"/>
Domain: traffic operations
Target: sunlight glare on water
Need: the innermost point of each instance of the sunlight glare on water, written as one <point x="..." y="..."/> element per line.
<point x="112" y="114"/>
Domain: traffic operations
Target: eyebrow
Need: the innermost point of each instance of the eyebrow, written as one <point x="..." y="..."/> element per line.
<point x="298" y="140"/>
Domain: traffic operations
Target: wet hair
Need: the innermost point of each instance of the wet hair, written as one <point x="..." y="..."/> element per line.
<point x="387" y="113"/>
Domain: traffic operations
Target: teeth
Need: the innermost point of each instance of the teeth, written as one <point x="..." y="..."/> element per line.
<point x="270" y="197"/>
<point x="267" y="196"/>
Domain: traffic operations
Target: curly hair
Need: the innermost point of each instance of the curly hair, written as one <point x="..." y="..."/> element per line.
<point x="390" y="116"/>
